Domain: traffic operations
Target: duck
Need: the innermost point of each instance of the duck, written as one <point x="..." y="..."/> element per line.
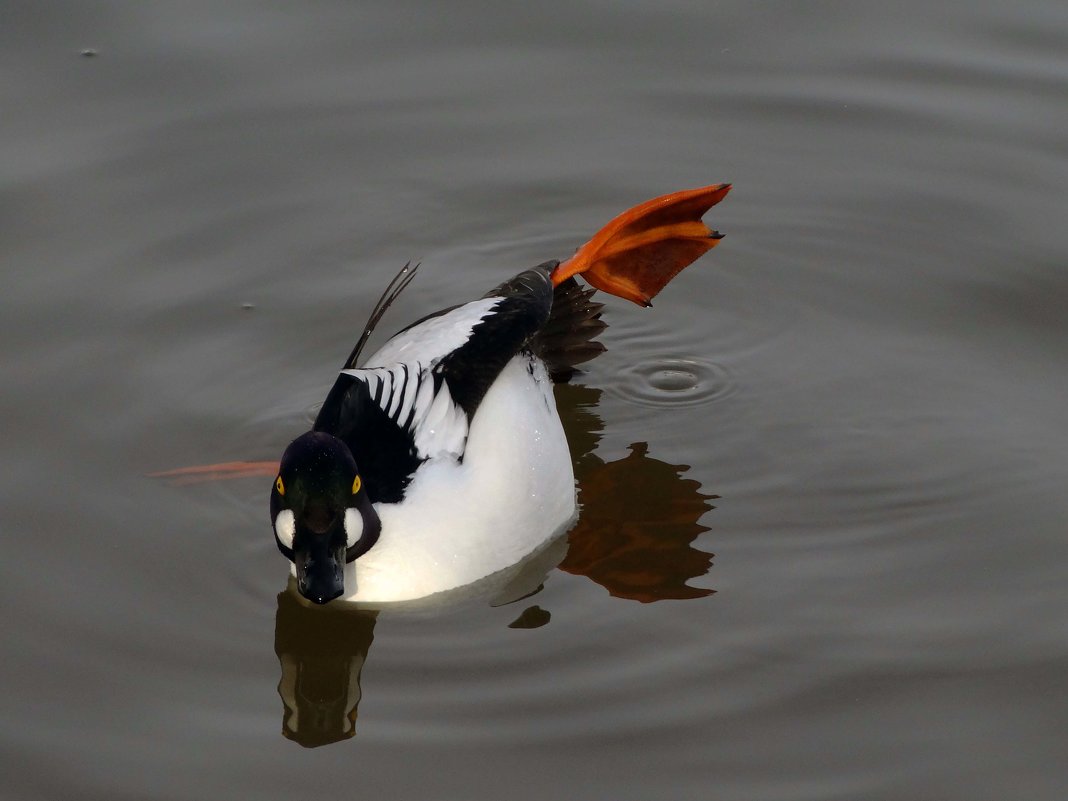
<point x="440" y="458"/>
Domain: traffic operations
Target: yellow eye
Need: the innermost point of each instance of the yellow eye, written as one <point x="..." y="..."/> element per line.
<point x="278" y="485"/>
<point x="356" y="484"/>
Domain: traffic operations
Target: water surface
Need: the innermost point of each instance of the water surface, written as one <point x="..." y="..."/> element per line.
<point x="869" y="373"/>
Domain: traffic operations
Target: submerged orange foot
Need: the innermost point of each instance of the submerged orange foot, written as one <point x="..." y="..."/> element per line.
<point x="199" y="474"/>
<point x="642" y="249"/>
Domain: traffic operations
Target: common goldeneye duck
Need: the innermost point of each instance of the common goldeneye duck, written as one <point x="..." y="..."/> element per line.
<point x="440" y="459"/>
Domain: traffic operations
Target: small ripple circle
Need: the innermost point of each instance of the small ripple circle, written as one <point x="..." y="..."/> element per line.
<point x="675" y="382"/>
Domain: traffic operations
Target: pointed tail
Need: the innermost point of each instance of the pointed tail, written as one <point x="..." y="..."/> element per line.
<point x="638" y="252"/>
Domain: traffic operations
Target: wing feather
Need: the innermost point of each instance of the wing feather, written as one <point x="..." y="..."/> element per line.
<point x="417" y="400"/>
<point x="413" y="399"/>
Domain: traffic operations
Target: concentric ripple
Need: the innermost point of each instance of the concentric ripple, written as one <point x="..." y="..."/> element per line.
<point x="675" y="382"/>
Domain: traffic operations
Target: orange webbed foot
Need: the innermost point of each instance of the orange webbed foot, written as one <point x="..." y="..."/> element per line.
<point x="199" y="474"/>
<point x="642" y="249"/>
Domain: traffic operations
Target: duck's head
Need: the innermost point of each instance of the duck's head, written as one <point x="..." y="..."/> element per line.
<point x="322" y="515"/>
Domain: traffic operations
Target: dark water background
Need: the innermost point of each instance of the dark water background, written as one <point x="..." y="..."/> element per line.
<point x="871" y="372"/>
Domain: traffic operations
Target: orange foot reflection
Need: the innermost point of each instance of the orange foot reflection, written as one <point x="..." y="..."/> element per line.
<point x="634" y="534"/>
<point x="198" y="474"/>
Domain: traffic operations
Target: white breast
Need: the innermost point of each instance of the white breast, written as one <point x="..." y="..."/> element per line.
<point x="461" y="522"/>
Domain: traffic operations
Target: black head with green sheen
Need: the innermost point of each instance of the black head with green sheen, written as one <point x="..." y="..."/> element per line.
<point x="322" y="515"/>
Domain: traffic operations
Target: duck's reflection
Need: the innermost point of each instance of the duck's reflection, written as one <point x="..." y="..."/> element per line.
<point x="322" y="651"/>
<point x="639" y="515"/>
<point x="633" y="537"/>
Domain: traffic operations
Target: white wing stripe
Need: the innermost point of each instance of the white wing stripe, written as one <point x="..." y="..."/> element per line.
<point x="411" y="389"/>
<point x="438" y="425"/>
<point x="398" y="387"/>
<point x="444" y="429"/>
<point x="432" y="340"/>
<point x="370" y="377"/>
<point x="423" y="398"/>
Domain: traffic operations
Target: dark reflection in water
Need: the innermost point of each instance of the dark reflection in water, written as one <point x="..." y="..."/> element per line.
<point x="633" y="537"/>
<point x="638" y="519"/>
<point x="533" y="617"/>
<point x="322" y="651"/>
<point x="639" y="516"/>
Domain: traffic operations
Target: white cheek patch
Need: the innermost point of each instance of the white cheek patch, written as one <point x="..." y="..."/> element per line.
<point x="353" y="526"/>
<point x="285" y="527"/>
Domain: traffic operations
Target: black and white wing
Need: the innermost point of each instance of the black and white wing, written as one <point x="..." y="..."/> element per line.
<point x="415" y="397"/>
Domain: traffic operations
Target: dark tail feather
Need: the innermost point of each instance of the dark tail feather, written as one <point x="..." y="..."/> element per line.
<point x="566" y="340"/>
<point x="396" y="286"/>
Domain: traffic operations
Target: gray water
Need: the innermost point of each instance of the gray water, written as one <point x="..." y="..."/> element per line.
<point x="869" y="373"/>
